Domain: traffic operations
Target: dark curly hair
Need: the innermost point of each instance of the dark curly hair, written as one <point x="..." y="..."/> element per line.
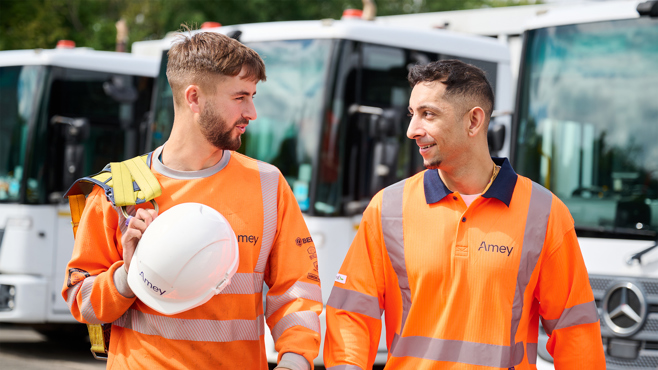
<point x="466" y="84"/>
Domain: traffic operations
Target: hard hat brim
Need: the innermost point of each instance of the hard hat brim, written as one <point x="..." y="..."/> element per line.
<point x="163" y="307"/>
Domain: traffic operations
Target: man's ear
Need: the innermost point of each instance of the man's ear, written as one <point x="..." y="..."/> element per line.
<point x="476" y="121"/>
<point x="193" y="98"/>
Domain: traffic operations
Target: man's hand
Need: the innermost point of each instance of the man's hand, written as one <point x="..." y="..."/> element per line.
<point x="136" y="227"/>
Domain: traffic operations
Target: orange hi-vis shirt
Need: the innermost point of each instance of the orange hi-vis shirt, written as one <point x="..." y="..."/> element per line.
<point x="227" y="332"/>
<point x="463" y="287"/>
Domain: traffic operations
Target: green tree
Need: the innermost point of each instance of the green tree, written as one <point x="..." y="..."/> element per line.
<point x="28" y="24"/>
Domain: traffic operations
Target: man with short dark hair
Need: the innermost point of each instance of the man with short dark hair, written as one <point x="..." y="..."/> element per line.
<point x="213" y="80"/>
<point x="464" y="257"/>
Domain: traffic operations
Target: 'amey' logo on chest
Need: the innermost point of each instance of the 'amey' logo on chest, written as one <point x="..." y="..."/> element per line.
<point x="251" y="239"/>
<point x="495" y="248"/>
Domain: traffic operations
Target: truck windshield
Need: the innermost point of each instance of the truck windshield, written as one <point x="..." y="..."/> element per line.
<point x="18" y="96"/>
<point x="588" y="122"/>
<point x="289" y="105"/>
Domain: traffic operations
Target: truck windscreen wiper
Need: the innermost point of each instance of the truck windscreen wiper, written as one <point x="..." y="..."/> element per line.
<point x="638" y="256"/>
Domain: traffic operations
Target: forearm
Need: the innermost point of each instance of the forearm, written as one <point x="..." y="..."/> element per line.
<point x="96" y="299"/>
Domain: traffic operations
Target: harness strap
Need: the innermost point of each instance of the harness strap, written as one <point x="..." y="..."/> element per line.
<point x="133" y="182"/>
<point x="125" y="183"/>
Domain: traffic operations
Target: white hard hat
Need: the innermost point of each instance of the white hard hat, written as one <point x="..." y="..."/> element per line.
<point x="185" y="257"/>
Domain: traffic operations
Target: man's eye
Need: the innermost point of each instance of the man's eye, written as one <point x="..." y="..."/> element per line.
<point x="410" y="114"/>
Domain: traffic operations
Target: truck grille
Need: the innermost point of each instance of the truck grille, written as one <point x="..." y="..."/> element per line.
<point x="646" y="337"/>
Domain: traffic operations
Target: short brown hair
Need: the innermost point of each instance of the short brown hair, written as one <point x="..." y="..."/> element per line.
<point x="463" y="81"/>
<point x="195" y="58"/>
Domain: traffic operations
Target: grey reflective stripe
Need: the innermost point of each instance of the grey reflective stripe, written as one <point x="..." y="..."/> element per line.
<point x="533" y="243"/>
<point x="584" y="313"/>
<point x="298" y="290"/>
<point x="307" y="319"/>
<point x="72" y="294"/>
<point x="356" y="302"/>
<point x="269" y="183"/>
<point x="245" y="283"/>
<point x="394" y="240"/>
<point x="453" y="351"/>
<point x="86" y="309"/>
<point x="192" y="330"/>
<point x="344" y="367"/>
<point x="531" y="350"/>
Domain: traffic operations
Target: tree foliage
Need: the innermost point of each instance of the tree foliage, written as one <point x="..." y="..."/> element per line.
<point x="28" y="24"/>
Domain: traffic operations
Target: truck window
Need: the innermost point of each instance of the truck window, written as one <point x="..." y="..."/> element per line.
<point x="115" y="127"/>
<point x="19" y="89"/>
<point x="587" y="125"/>
<point x="290" y="105"/>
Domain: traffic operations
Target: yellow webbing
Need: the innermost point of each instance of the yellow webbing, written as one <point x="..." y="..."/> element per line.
<point x="123" y="175"/>
<point x="77" y="204"/>
<point x="98" y="343"/>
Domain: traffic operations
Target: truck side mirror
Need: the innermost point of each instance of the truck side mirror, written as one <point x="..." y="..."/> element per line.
<point x="386" y="128"/>
<point x="75" y="133"/>
<point x="120" y="89"/>
<point x="496" y="137"/>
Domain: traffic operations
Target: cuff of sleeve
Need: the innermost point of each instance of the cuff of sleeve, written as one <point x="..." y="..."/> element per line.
<point x="121" y="282"/>
<point x="293" y="361"/>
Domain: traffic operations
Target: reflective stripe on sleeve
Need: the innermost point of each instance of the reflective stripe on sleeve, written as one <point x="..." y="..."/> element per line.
<point x="72" y="293"/>
<point x="86" y="309"/>
<point x="307" y="319"/>
<point x="298" y="290"/>
<point x="245" y="283"/>
<point x="533" y="243"/>
<point x="394" y="240"/>
<point x="192" y="330"/>
<point x="355" y="302"/>
<point x="584" y="313"/>
<point x="269" y="183"/>
<point x="344" y="367"/>
<point x="531" y="350"/>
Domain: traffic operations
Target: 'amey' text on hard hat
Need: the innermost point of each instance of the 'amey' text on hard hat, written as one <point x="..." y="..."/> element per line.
<point x="148" y="284"/>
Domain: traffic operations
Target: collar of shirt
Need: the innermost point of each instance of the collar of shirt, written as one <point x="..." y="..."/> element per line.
<point x="501" y="189"/>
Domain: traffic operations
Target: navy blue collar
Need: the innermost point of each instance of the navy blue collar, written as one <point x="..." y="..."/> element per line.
<point x="501" y="189"/>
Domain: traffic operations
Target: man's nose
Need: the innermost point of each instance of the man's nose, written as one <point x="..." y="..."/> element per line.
<point x="249" y="112"/>
<point x="414" y="130"/>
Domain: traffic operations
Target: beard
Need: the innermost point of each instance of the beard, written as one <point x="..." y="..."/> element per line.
<point x="217" y="131"/>
<point x="432" y="164"/>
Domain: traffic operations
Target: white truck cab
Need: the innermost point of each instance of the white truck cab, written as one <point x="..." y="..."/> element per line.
<point x="64" y="113"/>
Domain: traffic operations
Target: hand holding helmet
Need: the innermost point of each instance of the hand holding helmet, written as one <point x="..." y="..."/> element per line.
<point x="136" y="226"/>
<point x="184" y="258"/>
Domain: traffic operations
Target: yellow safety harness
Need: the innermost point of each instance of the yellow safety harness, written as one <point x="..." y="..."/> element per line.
<point x="126" y="183"/>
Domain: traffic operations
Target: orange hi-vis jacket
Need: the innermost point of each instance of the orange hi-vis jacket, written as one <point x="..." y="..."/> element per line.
<point x="463" y="287"/>
<point x="227" y="332"/>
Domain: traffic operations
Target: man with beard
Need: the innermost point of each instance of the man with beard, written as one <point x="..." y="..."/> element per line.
<point x="213" y="79"/>
<point x="464" y="257"/>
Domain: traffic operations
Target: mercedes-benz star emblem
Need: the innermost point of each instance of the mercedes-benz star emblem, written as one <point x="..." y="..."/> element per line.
<point x="624" y="309"/>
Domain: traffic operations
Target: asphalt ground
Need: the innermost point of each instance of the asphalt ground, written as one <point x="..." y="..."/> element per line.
<point x="22" y="348"/>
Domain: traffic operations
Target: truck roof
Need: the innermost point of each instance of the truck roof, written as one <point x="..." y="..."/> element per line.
<point x="438" y="41"/>
<point x="588" y="12"/>
<point x="85" y="59"/>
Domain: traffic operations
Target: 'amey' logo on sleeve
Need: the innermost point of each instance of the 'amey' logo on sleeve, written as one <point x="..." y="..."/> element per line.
<point x="495" y="248"/>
